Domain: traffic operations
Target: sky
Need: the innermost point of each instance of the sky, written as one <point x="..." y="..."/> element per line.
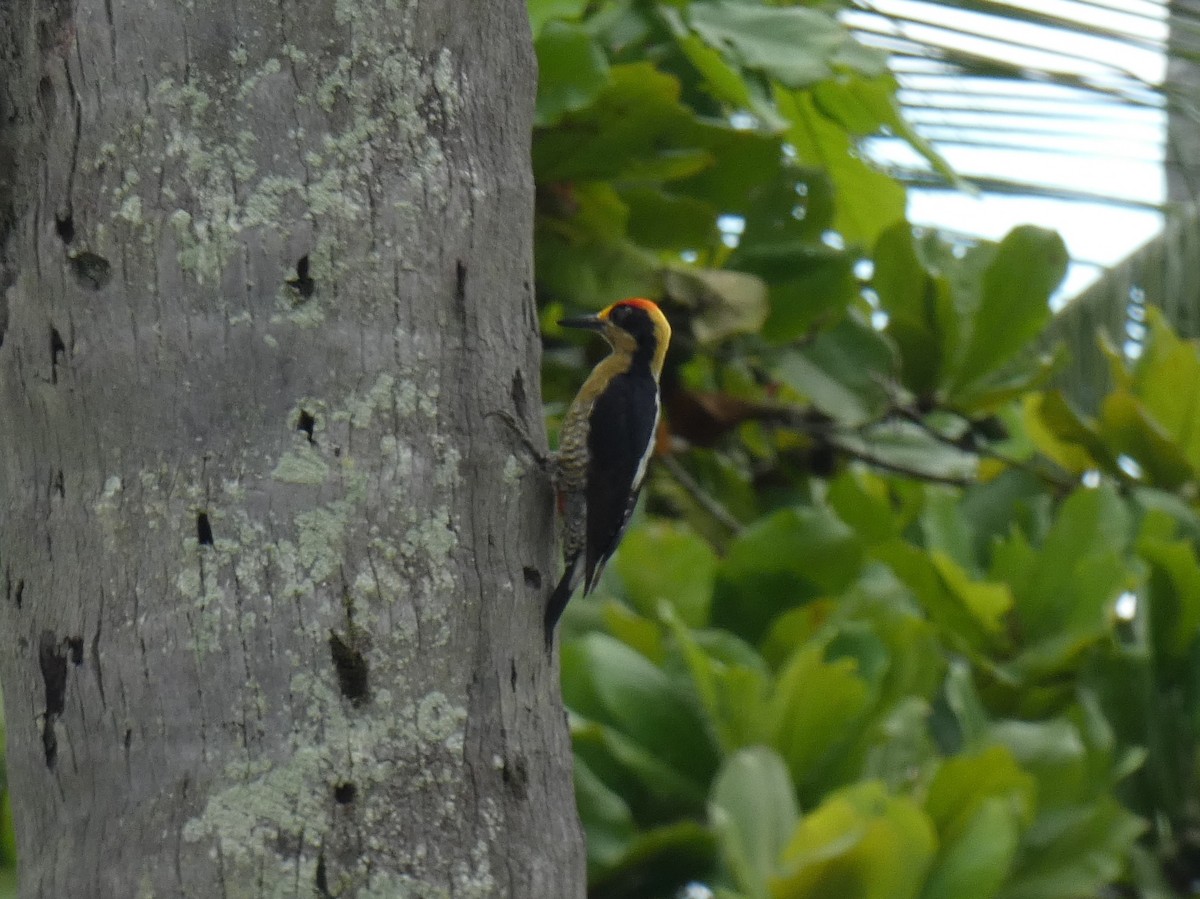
<point x="1043" y="134"/>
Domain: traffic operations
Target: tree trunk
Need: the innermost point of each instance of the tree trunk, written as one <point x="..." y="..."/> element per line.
<point x="272" y="563"/>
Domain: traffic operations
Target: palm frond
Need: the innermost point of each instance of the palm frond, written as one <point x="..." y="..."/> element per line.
<point x="966" y="69"/>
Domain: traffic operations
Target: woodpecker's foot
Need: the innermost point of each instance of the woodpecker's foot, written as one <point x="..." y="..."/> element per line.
<point x="544" y="461"/>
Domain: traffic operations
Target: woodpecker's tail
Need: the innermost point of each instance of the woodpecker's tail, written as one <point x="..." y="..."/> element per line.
<point x="561" y="596"/>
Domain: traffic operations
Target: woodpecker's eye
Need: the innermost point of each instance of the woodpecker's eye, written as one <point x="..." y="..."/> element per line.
<point x="620" y="315"/>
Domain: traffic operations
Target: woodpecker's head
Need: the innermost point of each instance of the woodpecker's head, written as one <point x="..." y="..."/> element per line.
<point x="635" y="327"/>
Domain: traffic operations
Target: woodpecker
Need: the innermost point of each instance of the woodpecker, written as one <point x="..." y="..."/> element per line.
<point x="606" y="442"/>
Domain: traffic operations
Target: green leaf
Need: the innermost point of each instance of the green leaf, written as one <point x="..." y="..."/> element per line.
<point x="1174" y="597"/>
<point x="969" y="614"/>
<point x="868" y="201"/>
<point x="721" y="303"/>
<point x="991" y="510"/>
<point x="721" y="80"/>
<point x="654" y="789"/>
<point x="543" y="11"/>
<point x="995" y="392"/>
<point x="743" y="163"/>
<point x="1167" y="380"/>
<point x="607" y="682"/>
<point x="635" y="631"/>
<point x="660" y="861"/>
<point x="660" y="561"/>
<point x="866" y="105"/>
<point x="842" y="372"/>
<point x="860" y="843"/>
<point x="988" y="603"/>
<point x="780" y="562"/>
<point x="947" y="526"/>
<point x="962" y="699"/>
<point x="862" y="501"/>
<point x="965" y="782"/>
<point x="1078" y="573"/>
<point x="732" y="689"/>
<point x="666" y="221"/>
<point x="1014" y="301"/>
<point x="1074" y="852"/>
<point x="978" y="861"/>
<point x="753" y="811"/>
<point x="793" y="45"/>
<point x="905" y="447"/>
<point x="572" y="70"/>
<point x="922" y="318"/>
<point x="786" y="211"/>
<point x="854" y="56"/>
<point x="636" y="128"/>
<point x="814" y="293"/>
<point x="902" y="747"/>
<point x="815" y="710"/>
<point x="584" y="255"/>
<point x="606" y="818"/>
<point x="1127" y="426"/>
<point x="1053" y="751"/>
<point x="1060" y="434"/>
<point x="1066" y="426"/>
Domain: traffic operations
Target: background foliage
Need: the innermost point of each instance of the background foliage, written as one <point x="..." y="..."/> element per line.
<point x="899" y="618"/>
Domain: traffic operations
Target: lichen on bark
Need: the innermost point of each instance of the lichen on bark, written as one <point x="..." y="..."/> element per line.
<point x="249" y="469"/>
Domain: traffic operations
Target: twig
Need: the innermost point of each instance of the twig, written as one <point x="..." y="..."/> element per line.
<point x="705" y="500"/>
<point x="897" y="468"/>
<point x="987" y="452"/>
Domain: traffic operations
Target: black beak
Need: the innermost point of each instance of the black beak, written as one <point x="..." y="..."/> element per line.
<point x="589" y="322"/>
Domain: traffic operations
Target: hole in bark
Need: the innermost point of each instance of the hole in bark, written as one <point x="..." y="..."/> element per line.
<point x="91" y="271"/>
<point x="518" y="394"/>
<point x="60" y="485"/>
<point x="128" y="738"/>
<point x="19" y="596"/>
<point x="96" y="664"/>
<point x="49" y="742"/>
<point x="57" y="350"/>
<point x="307" y="424"/>
<point x="204" y="530"/>
<point x="345" y="793"/>
<point x="321" y="881"/>
<point x="352" y="669"/>
<point x="512" y="674"/>
<point x="460" y="282"/>
<point x="47" y="99"/>
<point x="65" y="226"/>
<point x="302" y="283"/>
<point x="75" y="645"/>
<point x="53" y="662"/>
<point x="516" y="776"/>
<point x="533" y="577"/>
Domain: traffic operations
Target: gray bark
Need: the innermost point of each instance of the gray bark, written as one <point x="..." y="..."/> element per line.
<point x="271" y="567"/>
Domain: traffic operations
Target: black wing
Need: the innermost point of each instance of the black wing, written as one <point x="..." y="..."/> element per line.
<point x="620" y="439"/>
